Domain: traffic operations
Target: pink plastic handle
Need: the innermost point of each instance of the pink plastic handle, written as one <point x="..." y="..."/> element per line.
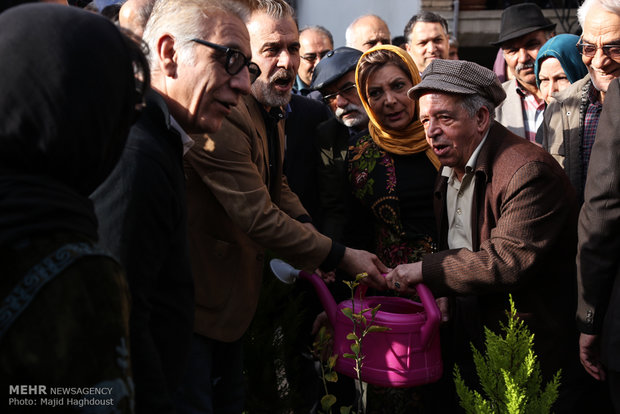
<point x="433" y="314"/>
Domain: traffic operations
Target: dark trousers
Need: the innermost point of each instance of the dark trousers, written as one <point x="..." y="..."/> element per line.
<point x="213" y="381"/>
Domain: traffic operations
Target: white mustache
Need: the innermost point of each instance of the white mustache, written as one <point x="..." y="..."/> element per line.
<point x="522" y="66"/>
<point x="281" y="74"/>
<point x="349" y="108"/>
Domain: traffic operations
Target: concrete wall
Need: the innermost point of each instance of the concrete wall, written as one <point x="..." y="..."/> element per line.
<point x="336" y="15"/>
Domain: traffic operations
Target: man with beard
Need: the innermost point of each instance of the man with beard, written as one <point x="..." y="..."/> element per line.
<point x="334" y="77"/>
<point x="523" y="31"/>
<point x="571" y="121"/>
<point x="239" y="205"/>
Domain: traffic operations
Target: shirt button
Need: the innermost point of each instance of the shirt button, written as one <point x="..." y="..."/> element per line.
<point x="458" y="211"/>
<point x="460" y="194"/>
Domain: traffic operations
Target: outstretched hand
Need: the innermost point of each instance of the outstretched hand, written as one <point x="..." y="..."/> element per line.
<point x="403" y="278"/>
<point x="589" y="354"/>
<point x="360" y="261"/>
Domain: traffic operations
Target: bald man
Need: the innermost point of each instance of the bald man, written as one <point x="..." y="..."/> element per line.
<point x="366" y="32"/>
<point x="134" y="14"/>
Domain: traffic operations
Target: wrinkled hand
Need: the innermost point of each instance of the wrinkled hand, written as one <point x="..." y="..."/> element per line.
<point x="328" y="277"/>
<point x="590" y="356"/>
<point x="360" y="261"/>
<point x="404" y="277"/>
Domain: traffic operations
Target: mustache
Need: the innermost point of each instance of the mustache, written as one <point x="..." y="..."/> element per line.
<point x="522" y="66"/>
<point x="349" y="108"/>
<point x="282" y="75"/>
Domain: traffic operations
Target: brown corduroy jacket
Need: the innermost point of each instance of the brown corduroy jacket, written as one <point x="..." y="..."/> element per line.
<point x="524" y="215"/>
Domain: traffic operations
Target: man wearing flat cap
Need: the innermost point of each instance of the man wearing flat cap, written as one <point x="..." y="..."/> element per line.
<point x="506" y="216"/>
<point x="523" y="31"/>
<point x="334" y="78"/>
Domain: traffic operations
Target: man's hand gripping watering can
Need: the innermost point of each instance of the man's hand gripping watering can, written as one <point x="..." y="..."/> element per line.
<point x="406" y="355"/>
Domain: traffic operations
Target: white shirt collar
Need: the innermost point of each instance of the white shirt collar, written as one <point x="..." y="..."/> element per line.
<point x="185" y="139"/>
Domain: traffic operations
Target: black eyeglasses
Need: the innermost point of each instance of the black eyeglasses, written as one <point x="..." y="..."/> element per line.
<point x="589" y="50"/>
<point x="235" y="60"/>
<point x="311" y="57"/>
<point x="347" y="92"/>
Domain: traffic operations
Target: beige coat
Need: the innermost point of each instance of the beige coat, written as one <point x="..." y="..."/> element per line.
<point x="510" y="112"/>
<point x="234" y="215"/>
<point x="560" y="132"/>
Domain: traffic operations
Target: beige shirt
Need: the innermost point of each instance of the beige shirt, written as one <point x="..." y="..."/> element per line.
<point x="459" y="197"/>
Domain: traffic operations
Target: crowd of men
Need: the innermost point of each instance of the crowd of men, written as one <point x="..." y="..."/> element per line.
<point x="248" y="114"/>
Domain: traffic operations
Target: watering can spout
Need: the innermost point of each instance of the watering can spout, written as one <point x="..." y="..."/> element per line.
<point x="288" y="274"/>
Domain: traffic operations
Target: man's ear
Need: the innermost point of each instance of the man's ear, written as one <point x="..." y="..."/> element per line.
<point x="167" y="55"/>
<point x="483" y="118"/>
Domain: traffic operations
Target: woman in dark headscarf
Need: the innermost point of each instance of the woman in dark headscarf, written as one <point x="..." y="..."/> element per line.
<point x="68" y="96"/>
<point x="558" y="65"/>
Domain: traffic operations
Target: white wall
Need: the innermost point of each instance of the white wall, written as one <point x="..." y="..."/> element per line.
<point x="336" y="15"/>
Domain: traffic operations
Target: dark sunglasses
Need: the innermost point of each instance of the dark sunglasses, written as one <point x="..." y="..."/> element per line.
<point x="235" y="60"/>
<point x="589" y="50"/>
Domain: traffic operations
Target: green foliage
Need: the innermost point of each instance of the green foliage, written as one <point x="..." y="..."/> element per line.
<point x="509" y="374"/>
<point x="361" y="327"/>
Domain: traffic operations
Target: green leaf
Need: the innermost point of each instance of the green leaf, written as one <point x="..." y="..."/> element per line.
<point x="352" y="337"/>
<point x="331" y="362"/>
<point x="348" y="356"/>
<point x="348" y="312"/>
<point x="355" y="347"/>
<point x="327" y="401"/>
<point x="377" y="328"/>
<point x="331" y="376"/>
<point x="360" y="276"/>
<point x="345" y="410"/>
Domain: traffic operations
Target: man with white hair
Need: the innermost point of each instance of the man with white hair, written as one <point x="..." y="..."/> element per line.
<point x="367" y="31"/>
<point x="240" y="205"/>
<point x="200" y="66"/>
<point x="334" y="77"/>
<point x="570" y="122"/>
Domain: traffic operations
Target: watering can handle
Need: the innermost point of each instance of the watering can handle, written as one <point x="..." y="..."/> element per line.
<point x="433" y="314"/>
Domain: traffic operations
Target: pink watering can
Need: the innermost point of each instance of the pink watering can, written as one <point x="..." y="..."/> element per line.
<point x="406" y="355"/>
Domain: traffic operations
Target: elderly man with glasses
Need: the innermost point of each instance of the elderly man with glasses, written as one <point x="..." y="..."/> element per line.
<point x="334" y="78"/>
<point x="570" y="123"/>
<point x="141" y="207"/>
<point x="240" y="206"/>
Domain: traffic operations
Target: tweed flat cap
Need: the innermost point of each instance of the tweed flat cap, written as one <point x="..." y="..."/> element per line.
<point x="335" y="64"/>
<point x="460" y="77"/>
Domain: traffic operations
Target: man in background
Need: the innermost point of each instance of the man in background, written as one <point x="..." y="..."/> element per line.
<point x="523" y="31"/>
<point x="427" y="38"/>
<point x="367" y="31"/>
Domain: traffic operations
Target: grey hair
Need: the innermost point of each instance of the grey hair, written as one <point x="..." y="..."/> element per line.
<point x="348" y="34"/>
<point x="319" y="29"/>
<point x="276" y="9"/>
<point x="185" y="20"/>
<point x="473" y="103"/>
<point x="425" y="17"/>
<point x="612" y="6"/>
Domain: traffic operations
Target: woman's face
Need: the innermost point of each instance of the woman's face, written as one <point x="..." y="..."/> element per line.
<point x="387" y="97"/>
<point x="552" y="78"/>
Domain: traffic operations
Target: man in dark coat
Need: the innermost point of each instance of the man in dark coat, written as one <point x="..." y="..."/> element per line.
<point x="141" y="206"/>
<point x="334" y="77"/>
<point x="506" y="216"/>
<point x="598" y="267"/>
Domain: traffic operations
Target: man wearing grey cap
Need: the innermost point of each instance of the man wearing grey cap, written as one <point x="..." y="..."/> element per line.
<point x="506" y="217"/>
<point x="334" y="77"/>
